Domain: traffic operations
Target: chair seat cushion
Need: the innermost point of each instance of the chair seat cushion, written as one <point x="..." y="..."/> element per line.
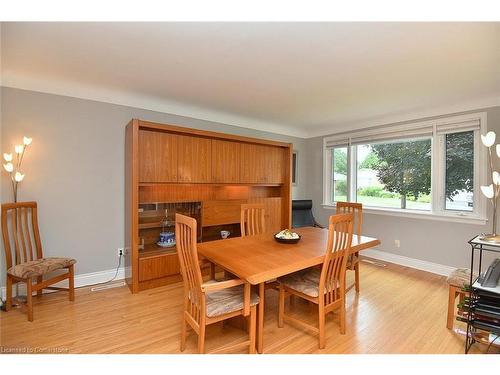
<point x="39" y="267"/>
<point x="460" y="277"/>
<point x="228" y="300"/>
<point x="306" y="282"/>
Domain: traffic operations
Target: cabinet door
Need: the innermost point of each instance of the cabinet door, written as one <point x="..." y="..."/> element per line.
<point x="226" y="158"/>
<point x="275" y="164"/>
<point x="262" y="164"/>
<point x="252" y="164"/>
<point x="194" y="159"/>
<point x="157" y="156"/>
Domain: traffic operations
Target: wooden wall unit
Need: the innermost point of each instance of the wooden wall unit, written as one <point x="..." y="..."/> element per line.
<point x="159" y="155"/>
<point x="166" y="163"/>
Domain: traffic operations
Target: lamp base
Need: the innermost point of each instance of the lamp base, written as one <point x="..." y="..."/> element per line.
<point x="493" y="238"/>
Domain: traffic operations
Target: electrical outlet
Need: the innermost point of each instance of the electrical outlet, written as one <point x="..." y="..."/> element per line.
<point x="121" y="251"/>
<point x="397" y="243"/>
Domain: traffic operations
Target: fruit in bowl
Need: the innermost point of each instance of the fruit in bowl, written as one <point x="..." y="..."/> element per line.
<point x="287" y="236"/>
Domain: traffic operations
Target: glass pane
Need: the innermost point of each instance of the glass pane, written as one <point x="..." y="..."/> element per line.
<point x="395" y="174"/>
<point x="339" y="183"/>
<point x="459" y="180"/>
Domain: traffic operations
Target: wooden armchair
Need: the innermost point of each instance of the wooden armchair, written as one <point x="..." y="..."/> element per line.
<point x="20" y="230"/>
<point x="325" y="287"/>
<point x="357" y="210"/>
<point x="211" y="302"/>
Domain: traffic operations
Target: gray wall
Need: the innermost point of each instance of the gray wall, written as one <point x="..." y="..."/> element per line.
<point x="74" y="169"/>
<point x="430" y="240"/>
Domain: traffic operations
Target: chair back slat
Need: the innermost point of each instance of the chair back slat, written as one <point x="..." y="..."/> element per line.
<point x="27" y="232"/>
<point x="185" y="235"/>
<point x="332" y="279"/>
<point x="252" y="219"/>
<point x="20" y="233"/>
<point x="352" y="208"/>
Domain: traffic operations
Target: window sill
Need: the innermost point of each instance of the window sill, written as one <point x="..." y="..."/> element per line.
<point x="413" y="214"/>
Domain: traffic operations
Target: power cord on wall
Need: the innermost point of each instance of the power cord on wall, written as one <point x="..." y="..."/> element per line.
<point x="116" y="273"/>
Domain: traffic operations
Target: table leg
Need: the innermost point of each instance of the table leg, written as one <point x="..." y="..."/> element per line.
<point x="260" y="323"/>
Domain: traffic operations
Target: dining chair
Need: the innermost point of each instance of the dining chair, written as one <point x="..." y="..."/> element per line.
<point x="20" y="232"/>
<point x="213" y="301"/>
<point x="252" y="223"/>
<point x="353" y="262"/>
<point x="253" y="219"/>
<point x="324" y="287"/>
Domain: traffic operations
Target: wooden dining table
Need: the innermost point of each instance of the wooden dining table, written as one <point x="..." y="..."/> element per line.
<point x="260" y="258"/>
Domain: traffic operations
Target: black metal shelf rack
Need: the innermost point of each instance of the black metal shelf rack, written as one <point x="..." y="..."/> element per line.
<point x="483" y="305"/>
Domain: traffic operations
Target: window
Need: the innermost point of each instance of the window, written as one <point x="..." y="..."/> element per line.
<point x="395" y="174"/>
<point x="339" y="175"/>
<point x="459" y="186"/>
<point x="432" y="167"/>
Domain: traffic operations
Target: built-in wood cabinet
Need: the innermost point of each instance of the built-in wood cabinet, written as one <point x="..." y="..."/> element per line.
<point x="262" y="164"/>
<point x="158" y="161"/>
<point x="194" y="159"/>
<point x="170" y="166"/>
<point x="226" y="158"/>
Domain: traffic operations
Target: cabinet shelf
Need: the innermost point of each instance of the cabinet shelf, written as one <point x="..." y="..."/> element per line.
<point x="154" y="224"/>
<point x="152" y="250"/>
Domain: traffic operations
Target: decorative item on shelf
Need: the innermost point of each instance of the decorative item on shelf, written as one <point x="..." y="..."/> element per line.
<point x="167" y="239"/>
<point x="492" y="191"/>
<point x="14" y="168"/>
<point x="224" y="234"/>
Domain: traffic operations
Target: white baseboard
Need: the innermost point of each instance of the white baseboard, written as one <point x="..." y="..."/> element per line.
<point x="422" y="265"/>
<point x="84" y="279"/>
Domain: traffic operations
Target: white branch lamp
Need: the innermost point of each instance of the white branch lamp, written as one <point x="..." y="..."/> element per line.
<point x="14" y="168"/>
<point x="492" y="191"/>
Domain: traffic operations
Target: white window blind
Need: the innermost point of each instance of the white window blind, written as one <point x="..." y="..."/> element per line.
<point x="407" y="131"/>
<point x="460" y="126"/>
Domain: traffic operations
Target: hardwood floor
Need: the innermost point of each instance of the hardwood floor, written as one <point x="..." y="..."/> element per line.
<point x="399" y="310"/>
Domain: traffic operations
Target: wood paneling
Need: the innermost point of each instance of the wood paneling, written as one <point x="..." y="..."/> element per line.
<point x="226" y="159"/>
<point x="158" y="266"/>
<point x="221" y="212"/>
<point x="157" y="156"/>
<point x="194" y="159"/>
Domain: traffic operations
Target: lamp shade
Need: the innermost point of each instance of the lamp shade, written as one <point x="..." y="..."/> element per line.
<point x="488" y="139"/>
<point x="18" y="177"/>
<point x="9" y="167"/>
<point x="488" y="191"/>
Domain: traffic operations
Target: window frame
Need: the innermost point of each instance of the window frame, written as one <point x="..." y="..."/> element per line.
<point x="438" y="170"/>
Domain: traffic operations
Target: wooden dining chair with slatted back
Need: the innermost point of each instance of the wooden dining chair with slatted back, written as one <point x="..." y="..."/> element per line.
<point x="253" y="219"/>
<point x="20" y="233"/>
<point x="353" y="263"/>
<point x="324" y="287"/>
<point x="211" y="302"/>
<point x="253" y="222"/>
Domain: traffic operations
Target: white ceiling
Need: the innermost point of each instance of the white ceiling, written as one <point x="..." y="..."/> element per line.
<point x="300" y="79"/>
